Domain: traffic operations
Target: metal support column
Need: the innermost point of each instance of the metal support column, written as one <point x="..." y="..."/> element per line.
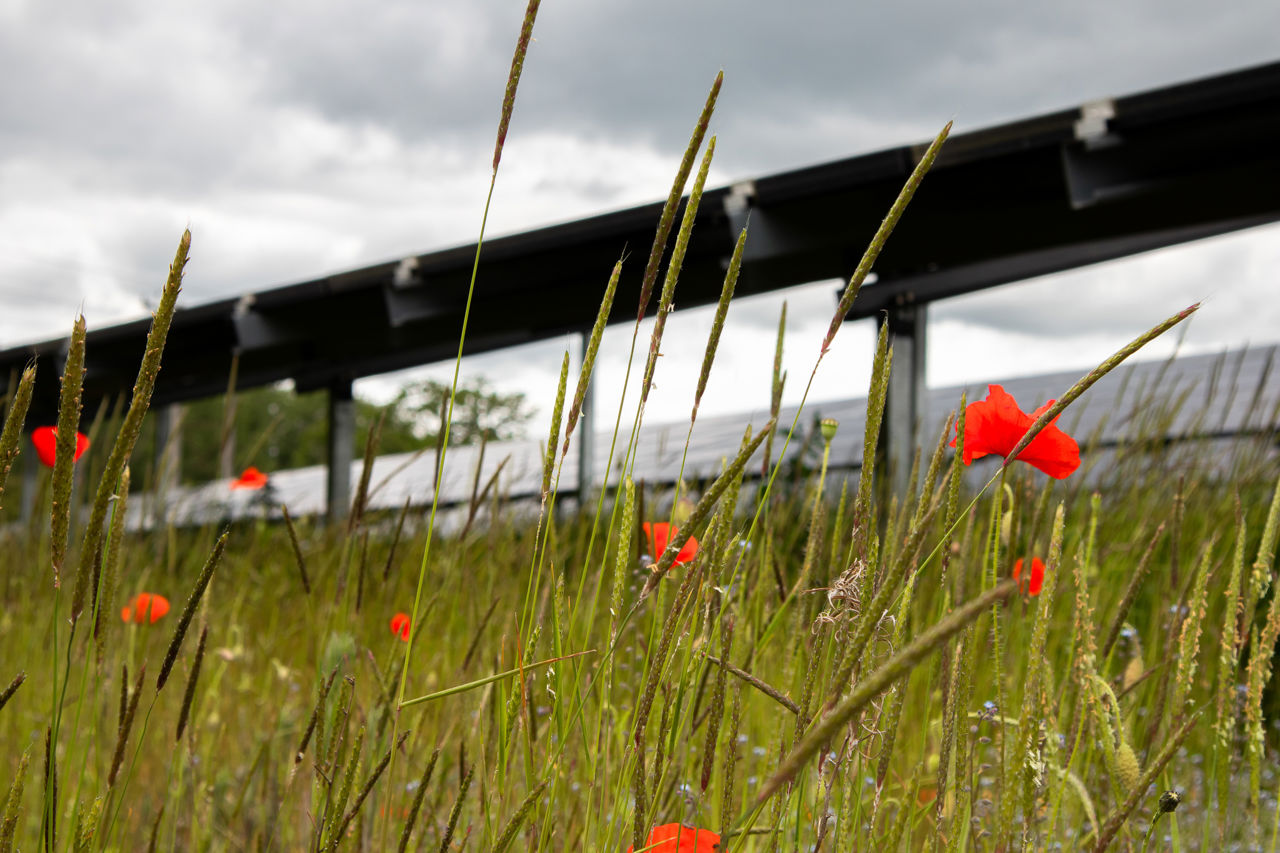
<point x="905" y="401"/>
<point x="586" y="434"/>
<point x="342" y="437"/>
<point x="168" y="456"/>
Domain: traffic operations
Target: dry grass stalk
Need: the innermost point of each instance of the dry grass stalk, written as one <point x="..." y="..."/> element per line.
<point x="513" y="79"/>
<point x="1027" y="760"/>
<point x="395" y="540"/>
<point x="126" y="724"/>
<point x="336" y="810"/>
<point x="189" y="611"/>
<point x="717" y="703"/>
<point x="155" y="829"/>
<point x="666" y="301"/>
<point x="589" y="355"/>
<point x="702" y="510"/>
<point x="64" y="462"/>
<point x="297" y="549"/>
<point x="106" y="586"/>
<point x="13" y="802"/>
<point x="139" y="401"/>
<point x="657" y="663"/>
<point x="361" y="500"/>
<point x="548" y="462"/>
<point x="779" y="382"/>
<point x="717" y="323"/>
<point x="418" y="796"/>
<point x="1228" y="673"/>
<point x="49" y="818"/>
<point x="1192" y="623"/>
<point x="667" y="219"/>
<point x="878" y="681"/>
<point x="517" y="820"/>
<point x="1131" y="592"/>
<point x="862" y="516"/>
<point x="86" y="826"/>
<point x="11" y="438"/>
<point x="361" y="569"/>
<point x="325" y="686"/>
<point x="189" y="695"/>
<point x="727" y="805"/>
<point x="1094" y="375"/>
<point x="8" y="692"/>
<point x="742" y="675"/>
<point x="882" y="235"/>
<point x="456" y="811"/>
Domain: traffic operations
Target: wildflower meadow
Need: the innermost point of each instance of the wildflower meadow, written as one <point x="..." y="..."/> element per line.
<point x="1036" y="645"/>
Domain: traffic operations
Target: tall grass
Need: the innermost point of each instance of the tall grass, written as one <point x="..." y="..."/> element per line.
<point x="851" y="674"/>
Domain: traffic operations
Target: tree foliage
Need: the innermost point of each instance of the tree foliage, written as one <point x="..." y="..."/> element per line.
<point x="479" y="412"/>
<point x="276" y="428"/>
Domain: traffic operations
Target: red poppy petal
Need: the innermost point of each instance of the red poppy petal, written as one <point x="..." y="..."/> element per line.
<point x="251" y="479"/>
<point x="126" y="613"/>
<point x="688" y="552"/>
<point x="987" y="425"/>
<point x="1036" y="581"/>
<point x="45" y="440"/>
<point x="675" y="838"/>
<point x="1037" y="576"/>
<point x="996" y="425"/>
<point x="159" y="607"/>
<point x="1053" y="452"/>
<point x="659" y="534"/>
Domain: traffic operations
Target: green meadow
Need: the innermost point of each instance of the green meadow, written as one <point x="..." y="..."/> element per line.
<point x="784" y="658"/>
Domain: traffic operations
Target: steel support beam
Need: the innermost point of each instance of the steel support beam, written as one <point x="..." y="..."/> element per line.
<point x="342" y="438"/>
<point x="905" y="400"/>
<point x="168" y="456"/>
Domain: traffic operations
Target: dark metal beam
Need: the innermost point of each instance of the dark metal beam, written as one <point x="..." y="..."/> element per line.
<point x="905" y="401"/>
<point x="1047" y="193"/>
<point x="342" y="438"/>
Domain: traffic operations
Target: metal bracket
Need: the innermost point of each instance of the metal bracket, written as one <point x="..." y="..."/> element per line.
<point x="1092" y="128"/>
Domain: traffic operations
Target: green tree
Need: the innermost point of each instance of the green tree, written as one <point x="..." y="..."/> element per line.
<point x="276" y="428"/>
<point x="479" y="412"/>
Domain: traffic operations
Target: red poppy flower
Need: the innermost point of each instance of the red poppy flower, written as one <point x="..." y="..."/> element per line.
<point x="400" y="626"/>
<point x="996" y="425"/>
<point x="145" y="607"/>
<point x="1037" y="574"/>
<point x="660" y="533"/>
<point x="45" y="439"/>
<point x="674" y="838"/>
<point x="251" y="479"/>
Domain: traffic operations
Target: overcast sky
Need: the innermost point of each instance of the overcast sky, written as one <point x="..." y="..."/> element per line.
<point x="297" y="139"/>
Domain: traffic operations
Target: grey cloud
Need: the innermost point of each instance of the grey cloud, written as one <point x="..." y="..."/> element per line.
<point x="363" y="121"/>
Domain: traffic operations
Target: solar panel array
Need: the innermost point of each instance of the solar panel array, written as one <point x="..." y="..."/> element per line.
<point x="1216" y="398"/>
